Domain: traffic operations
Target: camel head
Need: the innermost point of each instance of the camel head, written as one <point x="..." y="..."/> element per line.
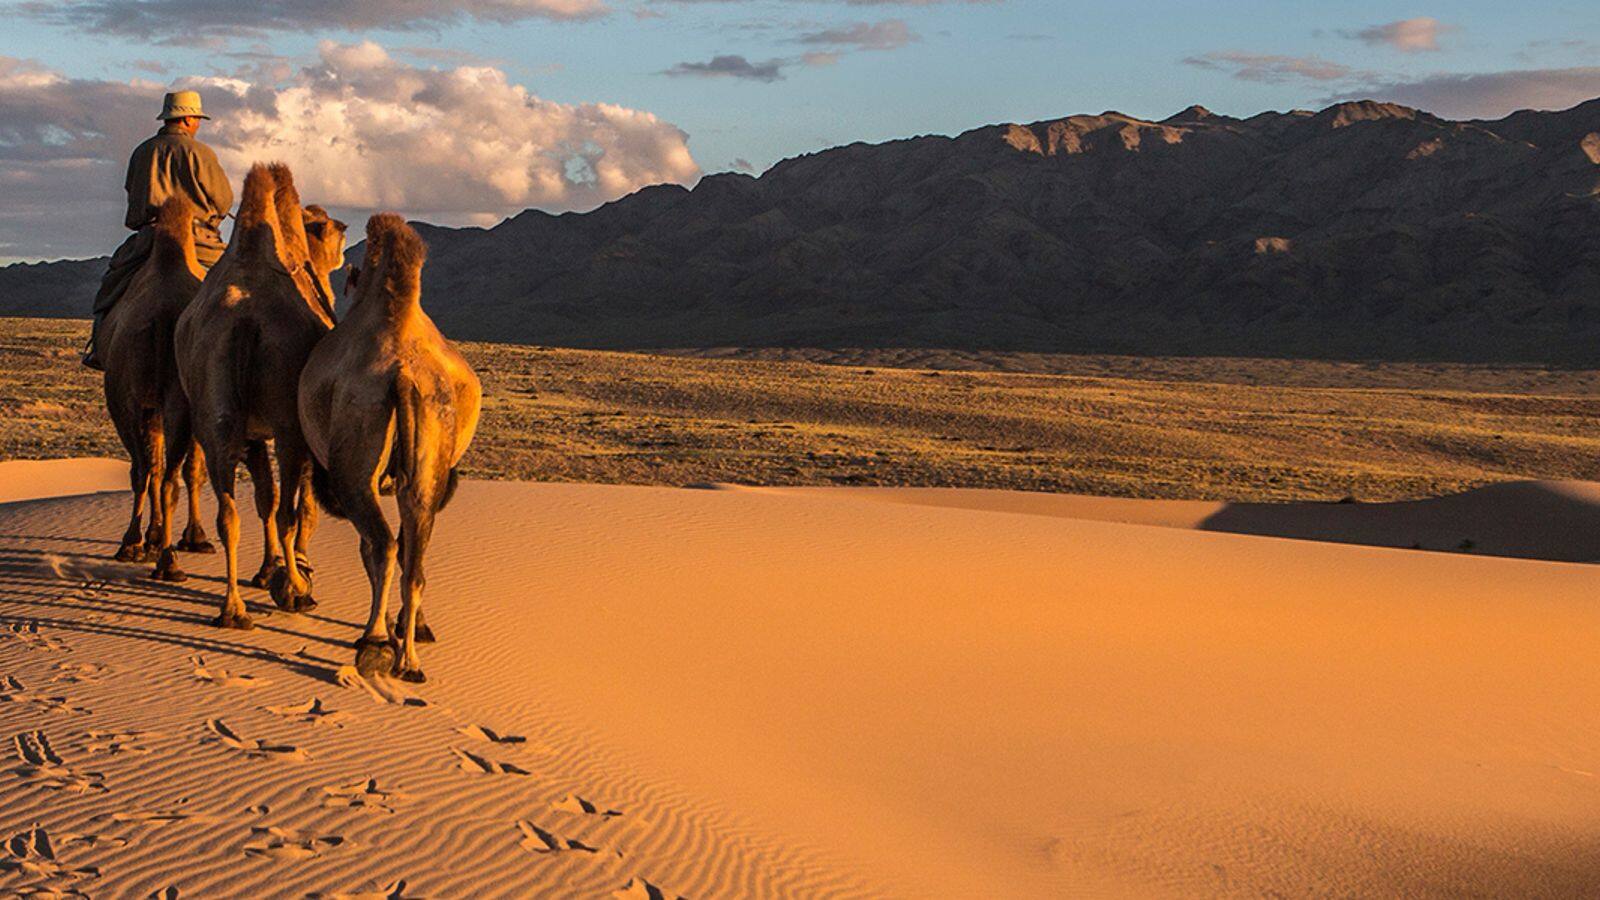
<point x="324" y="239"/>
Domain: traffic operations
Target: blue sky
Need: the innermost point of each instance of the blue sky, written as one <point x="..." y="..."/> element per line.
<point x="737" y="80"/>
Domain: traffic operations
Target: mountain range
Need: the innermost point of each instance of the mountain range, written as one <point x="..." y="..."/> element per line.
<point x="1362" y="231"/>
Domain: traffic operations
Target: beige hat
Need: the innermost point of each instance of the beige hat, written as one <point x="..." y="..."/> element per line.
<point x="181" y="105"/>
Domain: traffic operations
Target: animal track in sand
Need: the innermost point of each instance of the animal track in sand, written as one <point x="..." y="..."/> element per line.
<point x="572" y="803"/>
<point x="115" y="743"/>
<point x="482" y="733"/>
<point x="256" y="749"/>
<point x="224" y="678"/>
<point x="158" y="817"/>
<point x="639" y="889"/>
<point x="35" y="853"/>
<point x="312" y="712"/>
<point x="13" y="691"/>
<point x="283" y="844"/>
<point x="362" y="795"/>
<point x="29" y="635"/>
<point x="169" y="892"/>
<point x="540" y="840"/>
<point x="81" y="673"/>
<point x="382" y="690"/>
<point x="41" y="765"/>
<point x="472" y="762"/>
<point x="394" y="890"/>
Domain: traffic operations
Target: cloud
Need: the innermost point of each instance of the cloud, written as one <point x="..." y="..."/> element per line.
<point x="730" y="66"/>
<point x="1491" y="95"/>
<point x="1271" y="69"/>
<point x="889" y="34"/>
<point x="360" y="129"/>
<point x="186" y="20"/>
<point x="1417" y="35"/>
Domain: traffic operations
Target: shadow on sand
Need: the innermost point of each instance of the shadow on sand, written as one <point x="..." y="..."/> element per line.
<point x="1555" y="521"/>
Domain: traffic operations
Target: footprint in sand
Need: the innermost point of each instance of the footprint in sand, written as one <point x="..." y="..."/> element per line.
<point x="394" y="890"/>
<point x="381" y="689"/>
<point x="312" y="712"/>
<point x="169" y="892"/>
<point x="28" y="634"/>
<point x="41" y="765"/>
<point x="13" y="691"/>
<point x="639" y="889"/>
<point x="157" y="817"/>
<point x="220" y="733"/>
<point x="224" y="678"/>
<point x="116" y="743"/>
<point x="481" y="733"/>
<point x="472" y="762"/>
<point x="289" y="846"/>
<point x="572" y="803"/>
<point x="35" y="853"/>
<point x="361" y="795"/>
<point x="541" y="840"/>
<point x="80" y="673"/>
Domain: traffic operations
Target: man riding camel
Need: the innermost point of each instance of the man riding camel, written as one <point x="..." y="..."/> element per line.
<point x="171" y="163"/>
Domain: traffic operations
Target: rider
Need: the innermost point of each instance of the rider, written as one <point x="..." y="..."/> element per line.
<point x="171" y="163"/>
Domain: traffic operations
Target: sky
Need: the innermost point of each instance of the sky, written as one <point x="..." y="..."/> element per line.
<point x="467" y="111"/>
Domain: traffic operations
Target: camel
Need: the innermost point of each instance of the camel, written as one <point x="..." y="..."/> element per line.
<point x="385" y="397"/>
<point x="240" y="347"/>
<point x="145" y="400"/>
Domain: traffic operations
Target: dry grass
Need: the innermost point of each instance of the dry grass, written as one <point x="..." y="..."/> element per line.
<point x="1133" y="427"/>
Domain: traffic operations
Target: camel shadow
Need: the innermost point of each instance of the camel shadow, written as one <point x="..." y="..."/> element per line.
<point x="39" y="578"/>
<point x="1551" y="521"/>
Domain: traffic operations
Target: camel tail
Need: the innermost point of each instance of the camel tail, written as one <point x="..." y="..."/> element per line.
<point x="322" y="488"/>
<point x="416" y="462"/>
<point x="174" y="236"/>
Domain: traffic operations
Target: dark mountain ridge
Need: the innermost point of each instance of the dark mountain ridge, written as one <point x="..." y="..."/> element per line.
<point x="1365" y="230"/>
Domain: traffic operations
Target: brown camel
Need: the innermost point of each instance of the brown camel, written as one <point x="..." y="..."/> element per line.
<point x="240" y="346"/>
<point x="385" y="396"/>
<point x="144" y="398"/>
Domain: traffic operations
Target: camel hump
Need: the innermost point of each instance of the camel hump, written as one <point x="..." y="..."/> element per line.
<point x="268" y="224"/>
<point x="174" y="234"/>
<point x="394" y="258"/>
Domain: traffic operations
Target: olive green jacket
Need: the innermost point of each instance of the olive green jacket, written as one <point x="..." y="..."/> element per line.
<point x="175" y="163"/>
<point x="171" y="163"/>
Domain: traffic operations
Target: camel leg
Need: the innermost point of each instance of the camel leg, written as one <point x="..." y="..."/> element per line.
<point x="375" y="649"/>
<point x="134" y="441"/>
<point x="155" y="462"/>
<point x="416" y="528"/>
<point x="223" y="472"/>
<point x="167" y="568"/>
<point x="194" y="536"/>
<point x="310" y="516"/>
<point x="291" y="589"/>
<point x="260" y="466"/>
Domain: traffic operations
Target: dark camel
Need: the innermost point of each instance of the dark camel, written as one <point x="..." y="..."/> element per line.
<point x="240" y="346"/>
<point x="383" y="398"/>
<point x="144" y="397"/>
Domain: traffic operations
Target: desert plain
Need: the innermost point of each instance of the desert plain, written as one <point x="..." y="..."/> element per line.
<point x="755" y="627"/>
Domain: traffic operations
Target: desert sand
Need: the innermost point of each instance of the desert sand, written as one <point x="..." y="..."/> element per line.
<point x="759" y="692"/>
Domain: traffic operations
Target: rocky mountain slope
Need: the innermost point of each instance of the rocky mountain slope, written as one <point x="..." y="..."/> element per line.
<point x="1366" y="230"/>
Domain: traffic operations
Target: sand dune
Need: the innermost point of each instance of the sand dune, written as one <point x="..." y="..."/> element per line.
<point x="779" y="693"/>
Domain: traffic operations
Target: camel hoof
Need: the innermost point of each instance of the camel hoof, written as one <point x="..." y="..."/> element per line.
<point x="374" y="658"/>
<point x="425" y="634"/>
<point x="131" y="553"/>
<point x="406" y="673"/>
<point x="237" y="621"/>
<point x="200" y="546"/>
<point x="286" y="597"/>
